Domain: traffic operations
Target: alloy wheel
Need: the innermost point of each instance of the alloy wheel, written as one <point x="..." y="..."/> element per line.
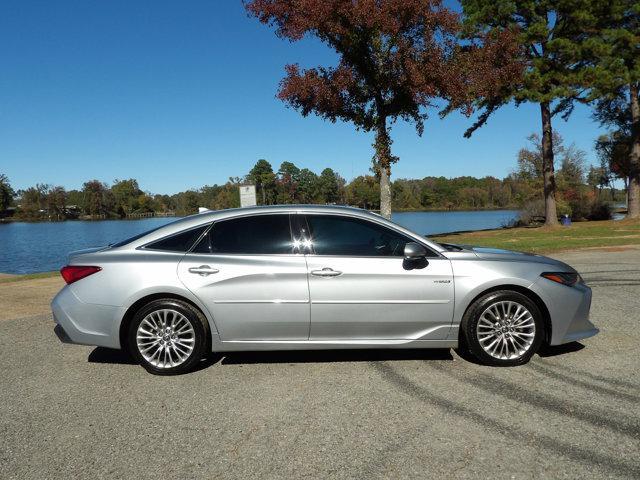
<point x="506" y="330"/>
<point x="165" y="338"/>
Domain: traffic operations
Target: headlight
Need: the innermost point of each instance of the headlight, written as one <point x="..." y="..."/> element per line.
<point x="565" y="278"/>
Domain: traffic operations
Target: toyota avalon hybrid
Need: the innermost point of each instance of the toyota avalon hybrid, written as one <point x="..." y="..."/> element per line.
<point x="313" y="277"/>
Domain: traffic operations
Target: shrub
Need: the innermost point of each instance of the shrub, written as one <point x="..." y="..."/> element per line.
<point x="532" y="212"/>
<point x="579" y="202"/>
<point x="600" y="211"/>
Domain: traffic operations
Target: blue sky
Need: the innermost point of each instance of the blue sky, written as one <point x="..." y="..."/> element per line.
<point x="182" y="94"/>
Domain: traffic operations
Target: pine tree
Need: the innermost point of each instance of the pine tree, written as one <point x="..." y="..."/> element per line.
<point x="612" y="50"/>
<point x="547" y="33"/>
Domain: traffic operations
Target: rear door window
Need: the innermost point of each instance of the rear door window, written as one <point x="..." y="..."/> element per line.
<point x="251" y="235"/>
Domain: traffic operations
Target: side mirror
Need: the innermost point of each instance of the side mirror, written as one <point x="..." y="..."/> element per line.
<point x="414" y="251"/>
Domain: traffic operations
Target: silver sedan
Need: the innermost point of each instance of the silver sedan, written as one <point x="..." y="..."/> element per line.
<point x="312" y="277"/>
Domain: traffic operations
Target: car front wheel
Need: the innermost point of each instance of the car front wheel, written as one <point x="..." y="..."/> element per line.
<point x="503" y="328"/>
<point x="168" y="336"/>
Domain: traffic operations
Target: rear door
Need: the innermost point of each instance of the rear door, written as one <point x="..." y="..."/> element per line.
<point x="246" y="272"/>
<point x="362" y="289"/>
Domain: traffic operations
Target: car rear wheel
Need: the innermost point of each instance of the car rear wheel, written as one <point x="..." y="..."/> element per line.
<point x="168" y="336"/>
<point x="503" y="328"/>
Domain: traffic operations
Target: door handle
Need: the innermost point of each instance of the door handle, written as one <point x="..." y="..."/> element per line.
<point x="326" y="272"/>
<point x="203" y="270"/>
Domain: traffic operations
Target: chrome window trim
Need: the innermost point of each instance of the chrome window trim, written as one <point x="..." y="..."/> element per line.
<point x="291" y="212"/>
<point x="245" y="254"/>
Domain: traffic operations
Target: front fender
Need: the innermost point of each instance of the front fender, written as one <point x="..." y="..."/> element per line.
<point x="473" y="278"/>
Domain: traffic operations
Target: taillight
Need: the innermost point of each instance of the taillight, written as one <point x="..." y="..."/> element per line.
<point x="565" y="278"/>
<point x="73" y="273"/>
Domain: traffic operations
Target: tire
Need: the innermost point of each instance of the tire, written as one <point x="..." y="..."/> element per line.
<point x="502" y="328"/>
<point x="168" y="337"/>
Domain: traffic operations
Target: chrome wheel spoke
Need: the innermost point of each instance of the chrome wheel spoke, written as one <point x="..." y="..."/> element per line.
<point x="169" y="355"/>
<point x="156" y="352"/>
<point x="144" y="332"/>
<point x="524" y="320"/>
<point x="185" y="328"/>
<point x="525" y="335"/>
<point x="144" y="349"/>
<point x="165" y="338"/>
<point x="181" y="349"/>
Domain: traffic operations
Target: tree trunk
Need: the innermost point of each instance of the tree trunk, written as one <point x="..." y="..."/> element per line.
<point x="382" y="147"/>
<point x="634" y="177"/>
<point x="550" y="212"/>
<point x="626" y="192"/>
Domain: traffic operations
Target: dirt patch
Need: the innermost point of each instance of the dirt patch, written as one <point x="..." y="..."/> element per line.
<point x="616" y="249"/>
<point x="28" y="297"/>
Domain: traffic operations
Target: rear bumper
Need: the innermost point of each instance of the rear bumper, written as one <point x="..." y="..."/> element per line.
<point x="84" y="323"/>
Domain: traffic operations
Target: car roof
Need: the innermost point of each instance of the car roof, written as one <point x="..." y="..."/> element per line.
<point x="208" y="216"/>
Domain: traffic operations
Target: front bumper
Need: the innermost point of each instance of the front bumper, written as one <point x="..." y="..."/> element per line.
<point x="85" y="323"/>
<point x="569" y="311"/>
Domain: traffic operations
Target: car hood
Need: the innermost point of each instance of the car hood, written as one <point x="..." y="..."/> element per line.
<point x="498" y="254"/>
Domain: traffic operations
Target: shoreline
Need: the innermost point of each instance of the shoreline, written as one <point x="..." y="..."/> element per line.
<point x="8" y="220"/>
<point x="21" y="277"/>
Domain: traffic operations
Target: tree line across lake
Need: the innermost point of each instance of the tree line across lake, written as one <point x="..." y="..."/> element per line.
<point x="584" y="192"/>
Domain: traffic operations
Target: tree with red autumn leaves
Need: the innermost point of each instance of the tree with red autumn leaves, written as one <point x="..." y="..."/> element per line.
<point x="396" y="59"/>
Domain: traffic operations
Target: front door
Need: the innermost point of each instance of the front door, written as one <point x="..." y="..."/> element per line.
<point x="361" y="287"/>
<point x="245" y="272"/>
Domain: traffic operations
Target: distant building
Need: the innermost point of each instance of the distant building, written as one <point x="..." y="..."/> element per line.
<point x="9" y="212"/>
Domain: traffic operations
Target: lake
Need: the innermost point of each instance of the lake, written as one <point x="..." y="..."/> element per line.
<point x="41" y="247"/>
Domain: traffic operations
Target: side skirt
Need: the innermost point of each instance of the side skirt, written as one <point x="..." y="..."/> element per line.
<point x="240" y="345"/>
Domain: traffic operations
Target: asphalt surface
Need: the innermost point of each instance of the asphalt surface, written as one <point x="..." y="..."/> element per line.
<point x="77" y="412"/>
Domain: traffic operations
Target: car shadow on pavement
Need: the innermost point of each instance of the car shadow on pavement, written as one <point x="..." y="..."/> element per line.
<point x="555" y="350"/>
<point x="544" y="351"/>
<point x="120" y="357"/>
<point x="334" y="356"/>
<point x="110" y="355"/>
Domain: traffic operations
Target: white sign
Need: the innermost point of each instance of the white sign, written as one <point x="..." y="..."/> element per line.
<point x="248" y="196"/>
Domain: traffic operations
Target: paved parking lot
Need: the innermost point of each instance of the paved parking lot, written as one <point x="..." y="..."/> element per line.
<point x="77" y="412"/>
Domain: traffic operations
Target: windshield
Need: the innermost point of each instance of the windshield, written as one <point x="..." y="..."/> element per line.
<point x="450" y="247"/>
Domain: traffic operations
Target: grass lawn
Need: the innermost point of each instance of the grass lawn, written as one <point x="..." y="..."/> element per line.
<point x="28" y="276"/>
<point x="545" y="239"/>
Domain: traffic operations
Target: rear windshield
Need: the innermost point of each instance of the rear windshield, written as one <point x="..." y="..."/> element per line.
<point x="178" y="242"/>
<point x="122" y="243"/>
